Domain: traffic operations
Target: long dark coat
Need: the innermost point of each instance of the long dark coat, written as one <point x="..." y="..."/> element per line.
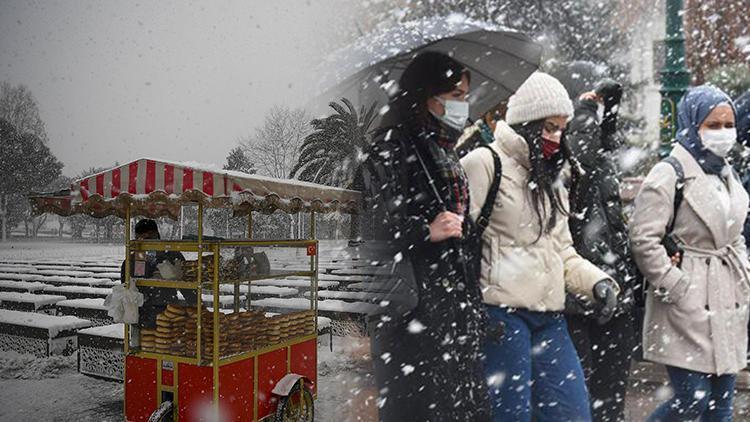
<point x="426" y="346"/>
<point x="597" y="222"/>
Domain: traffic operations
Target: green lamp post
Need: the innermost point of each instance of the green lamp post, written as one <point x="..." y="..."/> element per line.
<point x="675" y="77"/>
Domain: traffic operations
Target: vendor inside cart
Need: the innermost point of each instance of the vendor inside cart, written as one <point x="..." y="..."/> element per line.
<point x="157" y="265"/>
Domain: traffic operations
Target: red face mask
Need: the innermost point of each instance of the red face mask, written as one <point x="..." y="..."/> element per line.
<point x="549" y="148"/>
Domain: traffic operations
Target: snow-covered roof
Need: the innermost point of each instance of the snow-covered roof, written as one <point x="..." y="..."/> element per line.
<point x="155" y="187"/>
<point x="53" y="324"/>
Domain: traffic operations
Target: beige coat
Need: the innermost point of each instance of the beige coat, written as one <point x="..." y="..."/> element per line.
<point x="516" y="270"/>
<point x="696" y="315"/>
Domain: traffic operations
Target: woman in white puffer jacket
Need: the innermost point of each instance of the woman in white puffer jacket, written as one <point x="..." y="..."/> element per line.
<point x="528" y="261"/>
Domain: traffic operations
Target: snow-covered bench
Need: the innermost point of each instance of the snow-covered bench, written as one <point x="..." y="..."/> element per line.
<point x="18" y="269"/>
<point x="78" y="292"/>
<point x="22" y="286"/>
<point x="29" y="302"/>
<point x="90" y="309"/>
<point x="261" y="292"/>
<point x="59" y="280"/>
<point x="297" y="283"/>
<point x="101" y="351"/>
<point x="356" y="296"/>
<point x="341" y="278"/>
<point x="39" y="334"/>
<point x="369" y="286"/>
<point x="360" y="271"/>
<point x="225" y="301"/>
<point x="348" y="318"/>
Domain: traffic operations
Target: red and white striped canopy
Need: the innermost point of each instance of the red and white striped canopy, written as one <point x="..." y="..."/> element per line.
<point x="158" y="188"/>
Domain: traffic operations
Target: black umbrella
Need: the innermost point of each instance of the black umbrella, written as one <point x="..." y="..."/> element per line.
<point x="499" y="59"/>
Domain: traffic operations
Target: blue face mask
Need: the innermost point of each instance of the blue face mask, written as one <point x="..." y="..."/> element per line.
<point x="456" y="113"/>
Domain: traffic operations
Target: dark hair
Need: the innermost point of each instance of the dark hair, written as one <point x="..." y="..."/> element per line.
<point x="146" y="225"/>
<point x="430" y="73"/>
<point x="543" y="174"/>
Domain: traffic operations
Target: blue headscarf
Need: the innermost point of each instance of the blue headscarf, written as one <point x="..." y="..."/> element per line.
<point x="743" y="119"/>
<point x="694" y="107"/>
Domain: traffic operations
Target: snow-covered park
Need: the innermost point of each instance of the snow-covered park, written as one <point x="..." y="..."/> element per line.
<point x="51" y="388"/>
<point x="496" y="187"/>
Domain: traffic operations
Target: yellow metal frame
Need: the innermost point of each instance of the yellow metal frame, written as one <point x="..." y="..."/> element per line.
<point x="133" y="246"/>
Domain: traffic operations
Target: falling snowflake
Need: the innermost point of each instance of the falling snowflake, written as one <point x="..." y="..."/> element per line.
<point x="407" y="369"/>
<point x="415" y="327"/>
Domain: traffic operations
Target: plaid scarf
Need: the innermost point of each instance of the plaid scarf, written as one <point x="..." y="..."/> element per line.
<point x="439" y="142"/>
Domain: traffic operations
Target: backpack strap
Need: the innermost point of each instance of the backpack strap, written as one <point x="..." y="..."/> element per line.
<point x="677" y="166"/>
<point x="489" y="202"/>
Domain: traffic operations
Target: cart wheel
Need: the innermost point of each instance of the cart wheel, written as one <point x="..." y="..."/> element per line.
<point x="162" y="413"/>
<point x="296" y="407"/>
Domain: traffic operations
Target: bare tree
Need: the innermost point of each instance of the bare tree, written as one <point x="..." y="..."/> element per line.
<point x="275" y="146"/>
<point x="19" y="108"/>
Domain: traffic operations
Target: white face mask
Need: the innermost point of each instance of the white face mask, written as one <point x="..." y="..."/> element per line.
<point x="456" y="113"/>
<point x="719" y="141"/>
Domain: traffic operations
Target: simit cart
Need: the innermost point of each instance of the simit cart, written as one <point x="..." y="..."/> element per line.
<point x="218" y="358"/>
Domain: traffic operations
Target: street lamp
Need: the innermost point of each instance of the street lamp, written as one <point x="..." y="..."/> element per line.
<point x="675" y="76"/>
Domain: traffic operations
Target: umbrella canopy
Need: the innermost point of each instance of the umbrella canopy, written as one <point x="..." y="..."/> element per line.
<point x="155" y="188"/>
<point x="578" y="76"/>
<point x="499" y="59"/>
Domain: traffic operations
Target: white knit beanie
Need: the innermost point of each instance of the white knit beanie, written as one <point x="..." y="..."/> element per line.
<point x="541" y="96"/>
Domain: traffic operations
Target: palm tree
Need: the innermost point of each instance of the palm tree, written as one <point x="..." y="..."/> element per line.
<point x="330" y="154"/>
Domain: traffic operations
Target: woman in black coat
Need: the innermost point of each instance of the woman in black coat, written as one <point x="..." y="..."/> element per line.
<point x="426" y="343"/>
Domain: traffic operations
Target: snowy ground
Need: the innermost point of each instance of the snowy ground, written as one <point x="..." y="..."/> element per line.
<point x="51" y="389"/>
<point x="55" y="249"/>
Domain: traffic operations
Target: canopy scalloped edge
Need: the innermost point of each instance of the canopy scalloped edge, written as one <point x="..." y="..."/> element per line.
<point x="159" y="204"/>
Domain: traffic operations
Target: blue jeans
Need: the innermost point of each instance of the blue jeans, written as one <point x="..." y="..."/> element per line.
<point x="697" y="395"/>
<point x="533" y="370"/>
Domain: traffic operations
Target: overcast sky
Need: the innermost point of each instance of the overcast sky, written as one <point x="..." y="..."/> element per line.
<point x="119" y="80"/>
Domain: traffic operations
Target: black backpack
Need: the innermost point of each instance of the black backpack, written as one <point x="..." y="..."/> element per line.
<point x="483" y="220"/>
<point x="669" y="243"/>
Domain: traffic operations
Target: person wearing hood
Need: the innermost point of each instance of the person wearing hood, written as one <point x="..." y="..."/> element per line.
<point x="529" y="262"/>
<point x="697" y="301"/>
<point x="597" y="224"/>
<point x="426" y="344"/>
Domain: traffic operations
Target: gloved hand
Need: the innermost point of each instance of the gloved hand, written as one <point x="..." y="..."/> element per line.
<point x="610" y="92"/>
<point x="605" y="294"/>
<point x="577" y="305"/>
